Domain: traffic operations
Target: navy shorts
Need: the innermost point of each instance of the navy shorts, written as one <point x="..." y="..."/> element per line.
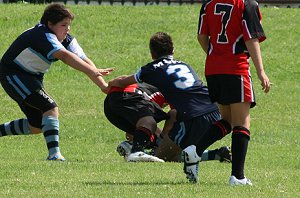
<point x="124" y="109"/>
<point x="190" y="132"/>
<point x="28" y="92"/>
<point x="228" y="89"/>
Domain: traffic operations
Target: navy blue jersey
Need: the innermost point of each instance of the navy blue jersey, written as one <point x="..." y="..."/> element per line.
<point x="32" y="51"/>
<point x="180" y="86"/>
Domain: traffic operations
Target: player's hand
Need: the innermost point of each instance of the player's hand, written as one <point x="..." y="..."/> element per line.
<point x="265" y="82"/>
<point x="105" y="89"/>
<point x="103" y="72"/>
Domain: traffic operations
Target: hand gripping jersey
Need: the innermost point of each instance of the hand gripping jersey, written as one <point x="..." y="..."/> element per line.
<point x="229" y="23"/>
<point x="32" y="51"/>
<point x="179" y="84"/>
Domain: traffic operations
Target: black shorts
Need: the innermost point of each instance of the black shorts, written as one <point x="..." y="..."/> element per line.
<point x="190" y="132"/>
<point x="28" y="92"/>
<point x="124" y="109"/>
<point x="228" y="89"/>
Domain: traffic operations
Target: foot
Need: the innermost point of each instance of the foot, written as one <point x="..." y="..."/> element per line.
<point x="224" y="154"/>
<point x="56" y="157"/>
<point x="124" y="148"/>
<point x="191" y="163"/>
<point x="142" y="157"/>
<point x="233" y="181"/>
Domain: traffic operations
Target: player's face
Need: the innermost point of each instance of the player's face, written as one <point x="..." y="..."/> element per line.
<point x="61" y="29"/>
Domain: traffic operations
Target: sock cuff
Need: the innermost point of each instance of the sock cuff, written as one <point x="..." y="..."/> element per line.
<point x="147" y="132"/>
<point x="224" y="126"/>
<point x="240" y="130"/>
<point x="50" y="120"/>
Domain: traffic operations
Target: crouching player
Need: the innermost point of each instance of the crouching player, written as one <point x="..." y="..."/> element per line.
<point x="136" y="110"/>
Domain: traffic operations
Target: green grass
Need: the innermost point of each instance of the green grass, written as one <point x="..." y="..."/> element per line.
<point x="117" y="36"/>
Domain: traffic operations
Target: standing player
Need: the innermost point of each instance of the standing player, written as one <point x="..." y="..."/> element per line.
<point x="229" y="32"/>
<point x="198" y="120"/>
<point x="22" y="69"/>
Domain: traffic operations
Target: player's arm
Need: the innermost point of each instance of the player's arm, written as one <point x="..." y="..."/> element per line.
<point x="122" y="81"/>
<point x="169" y="122"/>
<point x="88" y="68"/>
<point x="255" y="54"/>
<point x="203" y="41"/>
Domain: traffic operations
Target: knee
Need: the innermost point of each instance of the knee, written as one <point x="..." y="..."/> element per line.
<point x="52" y="112"/>
<point x="35" y="130"/>
<point x="147" y="122"/>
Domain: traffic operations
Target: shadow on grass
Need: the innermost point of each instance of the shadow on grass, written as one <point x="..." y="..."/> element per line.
<point x="132" y="183"/>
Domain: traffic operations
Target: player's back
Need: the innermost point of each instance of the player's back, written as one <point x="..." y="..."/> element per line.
<point x="222" y="21"/>
<point x="180" y="86"/>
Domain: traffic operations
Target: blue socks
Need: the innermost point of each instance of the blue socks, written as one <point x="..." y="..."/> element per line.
<point x="15" y="127"/>
<point x="50" y="128"/>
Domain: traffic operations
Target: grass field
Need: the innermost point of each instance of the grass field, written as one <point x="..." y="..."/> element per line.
<point x="116" y="36"/>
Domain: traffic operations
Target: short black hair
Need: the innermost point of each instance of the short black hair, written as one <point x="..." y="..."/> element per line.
<point x="55" y="13"/>
<point x="161" y="44"/>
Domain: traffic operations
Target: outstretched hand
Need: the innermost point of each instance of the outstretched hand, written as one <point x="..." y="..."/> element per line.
<point x="103" y="72"/>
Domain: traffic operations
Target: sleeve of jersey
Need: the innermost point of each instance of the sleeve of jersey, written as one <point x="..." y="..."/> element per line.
<point x="252" y="28"/>
<point x="137" y="76"/>
<point x="76" y="49"/>
<point x="56" y="45"/>
<point x="202" y="25"/>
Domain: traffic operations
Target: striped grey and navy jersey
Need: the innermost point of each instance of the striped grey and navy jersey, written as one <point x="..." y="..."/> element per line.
<point x="32" y="51"/>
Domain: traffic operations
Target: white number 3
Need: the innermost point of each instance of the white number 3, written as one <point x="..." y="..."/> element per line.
<point x="185" y="77"/>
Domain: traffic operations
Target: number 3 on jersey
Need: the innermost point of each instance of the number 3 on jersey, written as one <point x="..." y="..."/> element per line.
<point x="225" y="11"/>
<point x="185" y="77"/>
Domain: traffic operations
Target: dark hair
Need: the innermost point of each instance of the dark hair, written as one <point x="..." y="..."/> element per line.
<point x="55" y="13"/>
<point x="161" y="44"/>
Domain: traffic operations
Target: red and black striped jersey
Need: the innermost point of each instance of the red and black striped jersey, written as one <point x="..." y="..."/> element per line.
<point x="229" y="23"/>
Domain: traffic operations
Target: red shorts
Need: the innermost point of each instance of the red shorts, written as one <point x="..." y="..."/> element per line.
<point x="228" y="89"/>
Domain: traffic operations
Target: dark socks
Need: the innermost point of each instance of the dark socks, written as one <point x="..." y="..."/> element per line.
<point x="142" y="138"/>
<point x="239" y="146"/>
<point x="216" y="132"/>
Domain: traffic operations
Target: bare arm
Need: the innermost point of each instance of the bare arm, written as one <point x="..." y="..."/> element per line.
<point x="255" y="53"/>
<point x="86" y="67"/>
<point x="203" y="41"/>
<point x="122" y="81"/>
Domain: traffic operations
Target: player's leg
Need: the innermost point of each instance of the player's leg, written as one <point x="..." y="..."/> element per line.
<point x="134" y="110"/>
<point x="15" y="127"/>
<point x="242" y="99"/>
<point x="144" y="133"/>
<point x="124" y="148"/>
<point x="240" y="139"/>
<point x="49" y="122"/>
<point x="34" y="102"/>
<point x="18" y="94"/>
<point x="213" y="129"/>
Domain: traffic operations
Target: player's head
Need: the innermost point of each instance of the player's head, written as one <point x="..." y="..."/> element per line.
<point x="55" y="13"/>
<point x="58" y="19"/>
<point x="161" y="44"/>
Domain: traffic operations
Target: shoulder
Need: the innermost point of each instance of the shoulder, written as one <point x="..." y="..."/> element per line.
<point x="69" y="38"/>
<point x="250" y="4"/>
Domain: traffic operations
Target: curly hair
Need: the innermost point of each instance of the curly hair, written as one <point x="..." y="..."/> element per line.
<point x="55" y="13"/>
<point x="161" y="44"/>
